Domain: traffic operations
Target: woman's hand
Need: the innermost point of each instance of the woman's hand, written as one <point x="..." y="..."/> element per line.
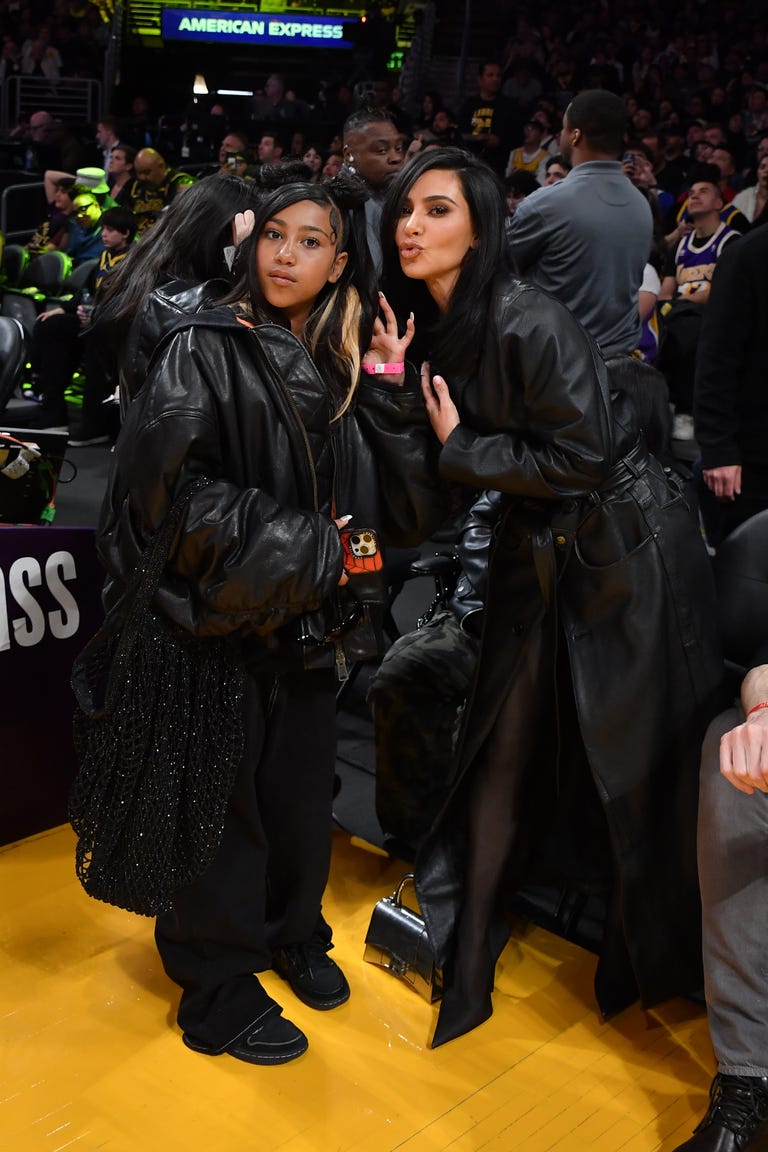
<point x="386" y="346"/>
<point x="443" y="413"/>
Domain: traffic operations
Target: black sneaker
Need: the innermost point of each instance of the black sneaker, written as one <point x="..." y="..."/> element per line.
<point x="738" y="1106"/>
<point x="269" y="1040"/>
<point x="313" y="976"/>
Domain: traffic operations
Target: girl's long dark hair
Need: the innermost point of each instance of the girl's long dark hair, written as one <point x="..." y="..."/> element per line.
<point x="340" y="324"/>
<point x="455" y="336"/>
<point x="187" y="243"/>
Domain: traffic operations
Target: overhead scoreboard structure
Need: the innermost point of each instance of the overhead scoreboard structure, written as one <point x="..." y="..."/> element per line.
<point x="288" y="30"/>
<point x="263" y="22"/>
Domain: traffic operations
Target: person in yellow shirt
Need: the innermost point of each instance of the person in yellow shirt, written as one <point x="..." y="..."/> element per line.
<point x="530" y="156"/>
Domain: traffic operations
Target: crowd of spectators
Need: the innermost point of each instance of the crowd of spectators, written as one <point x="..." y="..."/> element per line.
<point x="52" y="39"/>
<point x="694" y="83"/>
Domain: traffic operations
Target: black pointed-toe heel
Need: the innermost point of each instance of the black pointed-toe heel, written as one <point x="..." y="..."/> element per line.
<point x="458" y="1016"/>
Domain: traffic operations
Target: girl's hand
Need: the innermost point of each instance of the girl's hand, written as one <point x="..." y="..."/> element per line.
<point x="386" y="346"/>
<point x="443" y="413"/>
<point x="242" y="226"/>
<point x="342" y="523"/>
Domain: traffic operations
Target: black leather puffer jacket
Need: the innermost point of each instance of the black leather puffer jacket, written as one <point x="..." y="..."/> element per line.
<point x="247" y="408"/>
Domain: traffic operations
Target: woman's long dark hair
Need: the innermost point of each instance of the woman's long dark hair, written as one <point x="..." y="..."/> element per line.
<point x="187" y="243"/>
<point x="339" y="327"/>
<point x="455" y="336"/>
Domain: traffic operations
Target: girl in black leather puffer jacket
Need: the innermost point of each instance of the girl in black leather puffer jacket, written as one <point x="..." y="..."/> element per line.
<point x="263" y="395"/>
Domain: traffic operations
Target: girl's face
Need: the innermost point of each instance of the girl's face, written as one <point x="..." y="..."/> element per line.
<point x="313" y="160"/>
<point x="435" y="232"/>
<point x="296" y="257"/>
<point x="762" y="172"/>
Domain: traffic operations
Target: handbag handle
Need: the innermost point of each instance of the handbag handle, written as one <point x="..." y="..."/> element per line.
<point x="139" y="594"/>
<point x="407" y="879"/>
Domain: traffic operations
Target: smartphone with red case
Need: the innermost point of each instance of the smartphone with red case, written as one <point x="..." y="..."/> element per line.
<point x="361" y="550"/>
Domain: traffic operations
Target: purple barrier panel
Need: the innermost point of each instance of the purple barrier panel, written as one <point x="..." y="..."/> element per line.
<point x="50" y="606"/>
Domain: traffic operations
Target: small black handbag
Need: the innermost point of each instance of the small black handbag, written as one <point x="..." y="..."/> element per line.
<point x="397" y="940"/>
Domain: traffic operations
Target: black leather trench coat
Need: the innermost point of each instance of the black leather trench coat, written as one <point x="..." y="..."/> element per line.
<point x="247" y="408"/>
<point x="592" y="528"/>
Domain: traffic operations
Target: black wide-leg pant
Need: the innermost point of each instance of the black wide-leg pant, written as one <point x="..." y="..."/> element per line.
<point x="265" y="885"/>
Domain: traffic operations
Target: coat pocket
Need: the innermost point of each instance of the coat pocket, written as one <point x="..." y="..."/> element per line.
<point x="612" y="532"/>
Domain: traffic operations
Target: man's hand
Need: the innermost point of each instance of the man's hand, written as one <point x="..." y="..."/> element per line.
<point x="683" y="229"/>
<point x="725" y="482"/>
<point x="744" y="754"/>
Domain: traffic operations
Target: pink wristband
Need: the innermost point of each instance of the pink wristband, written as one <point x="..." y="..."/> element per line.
<point x="757" y="707"/>
<point x="383" y="369"/>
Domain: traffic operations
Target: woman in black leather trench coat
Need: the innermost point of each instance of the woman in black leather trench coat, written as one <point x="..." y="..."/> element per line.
<point x="265" y="399"/>
<point x="599" y="664"/>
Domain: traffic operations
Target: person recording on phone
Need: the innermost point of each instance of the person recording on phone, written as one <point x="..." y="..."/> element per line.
<point x="234" y="155"/>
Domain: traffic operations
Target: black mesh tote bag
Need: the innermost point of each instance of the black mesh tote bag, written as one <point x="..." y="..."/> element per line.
<point x="158" y="733"/>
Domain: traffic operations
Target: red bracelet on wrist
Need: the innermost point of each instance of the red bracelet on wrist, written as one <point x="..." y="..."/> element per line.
<point x="757" y="707"/>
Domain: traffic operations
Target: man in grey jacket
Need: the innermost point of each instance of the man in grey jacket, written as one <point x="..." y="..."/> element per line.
<point x="587" y="239"/>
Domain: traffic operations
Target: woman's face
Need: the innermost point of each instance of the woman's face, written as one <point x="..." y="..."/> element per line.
<point x="762" y="172"/>
<point x="296" y="257"/>
<point x="332" y="166"/>
<point x="435" y="232"/>
<point x="313" y="160"/>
